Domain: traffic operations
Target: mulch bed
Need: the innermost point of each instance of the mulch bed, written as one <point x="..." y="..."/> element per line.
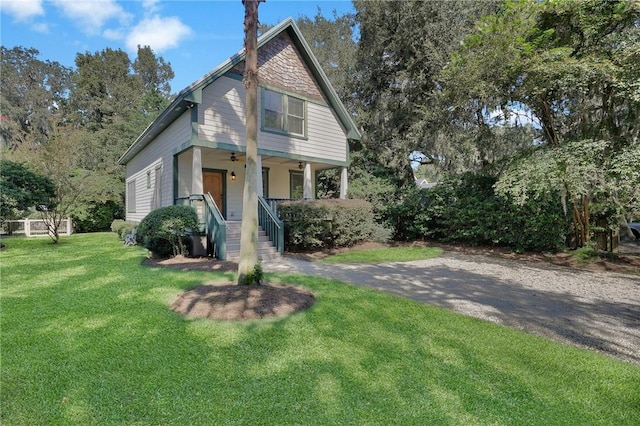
<point x="232" y="302"/>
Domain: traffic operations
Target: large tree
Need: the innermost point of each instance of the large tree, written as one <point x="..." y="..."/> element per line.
<point x="575" y="66"/>
<point x="106" y="102"/>
<point x="113" y="99"/>
<point x="154" y="75"/>
<point x="247" y="272"/>
<point x="32" y="90"/>
<point x="402" y="49"/>
<point x="332" y="43"/>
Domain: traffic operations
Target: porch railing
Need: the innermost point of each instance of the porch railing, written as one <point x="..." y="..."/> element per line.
<point x="271" y="224"/>
<point x="212" y="223"/>
<point x="216" y="228"/>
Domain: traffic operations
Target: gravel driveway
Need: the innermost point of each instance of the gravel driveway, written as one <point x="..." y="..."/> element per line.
<point x="596" y="310"/>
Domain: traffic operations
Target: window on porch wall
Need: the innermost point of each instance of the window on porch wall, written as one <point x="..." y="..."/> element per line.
<point x="265" y="182"/>
<point x="296" y="185"/>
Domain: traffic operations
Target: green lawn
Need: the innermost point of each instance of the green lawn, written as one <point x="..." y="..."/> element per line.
<point x="87" y="339"/>
<point x="385" y="254"/>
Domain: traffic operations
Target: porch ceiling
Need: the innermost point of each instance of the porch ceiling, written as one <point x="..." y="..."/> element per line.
<point x="275" y="161"/>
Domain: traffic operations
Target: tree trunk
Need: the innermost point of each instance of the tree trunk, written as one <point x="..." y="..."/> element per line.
<point x="249" y="229"/>
<point x="581" y="220"/>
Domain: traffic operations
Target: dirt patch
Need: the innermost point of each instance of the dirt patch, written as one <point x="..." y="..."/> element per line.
<point x="627" y="261"/>
<point x="182" y="263"/>
<point x="234" y="302"/>
<point x="231" y="302"/>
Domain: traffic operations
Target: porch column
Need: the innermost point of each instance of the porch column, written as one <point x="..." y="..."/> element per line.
<point x="344" y="183"/>
<point x="196" y="171"/>
<point x="259" y="175"/>
<point x="307" y="192"/>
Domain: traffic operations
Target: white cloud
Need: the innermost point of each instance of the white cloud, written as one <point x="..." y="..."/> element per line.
<point x="40" y="28"/>
<point x="91" y="15"/>
<point x="112" y="34"/>
<point x="158" y="32"/>
<point x="150" y="6"/>
<point x="23" y="10"/>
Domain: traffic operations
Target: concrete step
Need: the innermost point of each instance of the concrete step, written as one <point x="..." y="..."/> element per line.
<point x="235" y="246"/>
<point x="261" y="239"/>
<point x="236" y="235"/>
<point x="263" y="255"/>
<point x="266" y="250"/>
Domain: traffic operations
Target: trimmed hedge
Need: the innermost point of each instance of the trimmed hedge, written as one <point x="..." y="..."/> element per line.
<point x="466" y="209"/>
<point x="329" y="223"/>
<point x="165" y="231"/>
<point x="122" y="228"/>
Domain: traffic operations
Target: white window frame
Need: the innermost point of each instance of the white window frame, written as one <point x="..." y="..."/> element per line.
<point x="131" y="196"/>
<point x="294" y="175"/>
<point x="286" y="114"/>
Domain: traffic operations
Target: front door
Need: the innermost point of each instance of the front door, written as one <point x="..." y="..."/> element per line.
<point x="213" y="183"/>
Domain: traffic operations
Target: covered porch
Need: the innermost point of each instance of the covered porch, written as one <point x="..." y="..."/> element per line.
<point x="221" y="173"/>
<point x="212" y="180"/>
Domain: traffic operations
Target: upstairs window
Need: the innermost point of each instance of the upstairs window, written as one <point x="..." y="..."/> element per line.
<point x="283" y="113"/>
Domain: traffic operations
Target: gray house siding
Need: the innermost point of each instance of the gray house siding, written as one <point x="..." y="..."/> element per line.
<point x="155" y="158"/>
<point x="221" y="120"/>
<point x="204" y="124"/>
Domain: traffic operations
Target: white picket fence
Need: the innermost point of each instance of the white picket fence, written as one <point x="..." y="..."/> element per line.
<point x="34" y="228"/>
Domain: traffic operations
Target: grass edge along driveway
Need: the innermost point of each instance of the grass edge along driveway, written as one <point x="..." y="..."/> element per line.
<point x="87" y="338"/>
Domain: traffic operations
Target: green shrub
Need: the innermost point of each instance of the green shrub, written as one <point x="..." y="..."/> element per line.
<point x="165" y="231"/>
<point x="329" y="223"/>
<point x="254" y="277"/>
<point x="466" y="209"/>
<point x="586" y="253"/>
<point x="306" y="224"/>
<point x="116" y="225"/>
<point x="122" y="228"/>
<point x="96" y="217"/>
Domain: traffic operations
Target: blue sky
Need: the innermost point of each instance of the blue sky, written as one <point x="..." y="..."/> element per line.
<point x="194" y="36"/>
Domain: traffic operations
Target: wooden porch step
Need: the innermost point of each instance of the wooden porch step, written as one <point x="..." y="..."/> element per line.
<point x="266" y="249"/>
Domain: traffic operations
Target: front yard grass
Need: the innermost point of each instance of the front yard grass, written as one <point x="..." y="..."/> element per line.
<point x="87" y="338"/>
<point x="385" y="254"/>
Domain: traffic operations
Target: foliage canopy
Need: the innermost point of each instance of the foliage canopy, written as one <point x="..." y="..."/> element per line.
<point x="21" y="189"/>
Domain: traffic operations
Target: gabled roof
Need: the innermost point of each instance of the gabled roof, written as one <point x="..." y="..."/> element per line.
<point x="423" y="183"/>
<point x="193" y="93"/>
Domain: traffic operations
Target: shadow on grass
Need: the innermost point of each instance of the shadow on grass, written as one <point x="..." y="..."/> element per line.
<point x="588" y="319"/>
<point x="100" y="346"/>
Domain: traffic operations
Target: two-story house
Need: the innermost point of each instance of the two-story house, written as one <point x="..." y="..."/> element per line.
<point x="194" y="151"/>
